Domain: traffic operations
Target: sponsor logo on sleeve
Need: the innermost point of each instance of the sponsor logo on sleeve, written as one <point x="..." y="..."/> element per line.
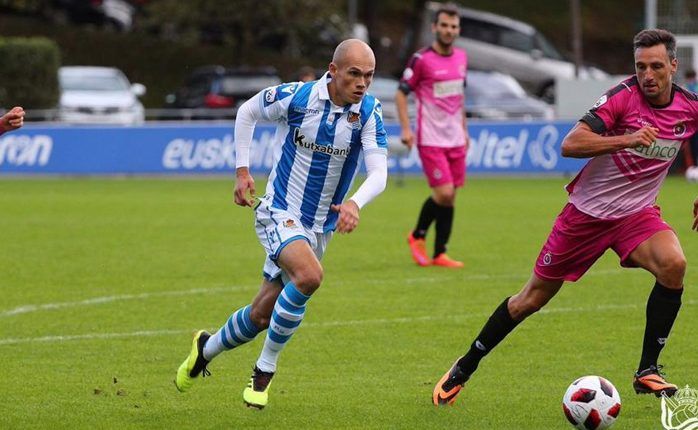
<point x="407" y="74"/>
<point x="600" y="102"/>
<point x="270" y="95"/>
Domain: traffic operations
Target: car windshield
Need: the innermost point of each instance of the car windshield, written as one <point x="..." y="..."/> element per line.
<point x="246" y="84"/>
<point x="85" y="82"/>
<point x="547" y="48"/>
<point x="491" y="87"/>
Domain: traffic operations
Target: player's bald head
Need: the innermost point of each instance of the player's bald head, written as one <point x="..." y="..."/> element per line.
<point x="353" y="50"/>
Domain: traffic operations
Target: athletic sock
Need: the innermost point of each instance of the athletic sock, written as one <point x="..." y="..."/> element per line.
<point x="495" y="330"/>
<point x="444" y="222"/>
<point x="426" y="217"/>
<point x="663" y="305"/>
<point x="285" y="319"/>
<point x="239" y="329"/>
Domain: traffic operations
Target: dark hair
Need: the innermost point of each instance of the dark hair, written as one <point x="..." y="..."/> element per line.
<point x="653" y="37"/>
<point x="449" y="9"/>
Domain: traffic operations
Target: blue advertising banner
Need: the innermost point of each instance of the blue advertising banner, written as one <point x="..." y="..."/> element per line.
<point x="496" y="148"/>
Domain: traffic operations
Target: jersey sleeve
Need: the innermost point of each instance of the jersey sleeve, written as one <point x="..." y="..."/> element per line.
<point x="608" y="109"/>
<point x="273" y="102"/>
<point x="373" y="136"/>
<point x="412" y="74"/>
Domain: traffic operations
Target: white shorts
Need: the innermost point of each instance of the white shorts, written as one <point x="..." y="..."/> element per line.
<point x="277" y="228"/>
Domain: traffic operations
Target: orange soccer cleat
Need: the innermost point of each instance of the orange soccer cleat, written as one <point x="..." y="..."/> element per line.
<point x="444" y="260"/>
<point x="419" y="250"/>
<point x="651" y="381"/>
<point x="449" y="386"/>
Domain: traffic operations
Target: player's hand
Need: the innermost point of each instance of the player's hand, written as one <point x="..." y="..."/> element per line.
<point x="467" y="143"/>
<point x="348" y="216"/>
<point x="243" y="184"/>
<point x="644" y="136"/>
<point x="13" y="119"/>
<point x="407" y="138"/>
<point x="695" y="214"/>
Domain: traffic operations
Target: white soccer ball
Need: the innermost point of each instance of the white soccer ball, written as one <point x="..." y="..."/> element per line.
<point x="692" y="174"/>
<point x="591" y="403"/>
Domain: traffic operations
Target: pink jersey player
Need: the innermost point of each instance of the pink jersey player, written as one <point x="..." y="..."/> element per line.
<point x="436" y="75"/>
<point x="631" y="135"/>
<point x="621" y="183"/>
<point x="437" y="81"/>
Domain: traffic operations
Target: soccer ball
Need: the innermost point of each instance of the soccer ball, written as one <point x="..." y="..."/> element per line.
<point x="692" y="174"/>
<point x="591" y="403"/>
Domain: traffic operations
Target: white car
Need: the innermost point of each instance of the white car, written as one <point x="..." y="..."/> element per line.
<point x="98" y="95"/>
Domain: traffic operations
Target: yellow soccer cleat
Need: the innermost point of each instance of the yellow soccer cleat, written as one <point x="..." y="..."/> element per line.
<point x="195" y="363"/>
<point x="256" y="394"/>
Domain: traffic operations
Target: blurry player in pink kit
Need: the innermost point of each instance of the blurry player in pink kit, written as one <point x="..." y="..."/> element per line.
<point x="436" y="74"/>
<point x="632" y="134"/>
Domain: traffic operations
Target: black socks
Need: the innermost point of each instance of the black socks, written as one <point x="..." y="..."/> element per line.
<point x="495" y="330"/>
<point x="444" y="221"/>
<point x="663" y="305"/>
<point x="426" y="216"/>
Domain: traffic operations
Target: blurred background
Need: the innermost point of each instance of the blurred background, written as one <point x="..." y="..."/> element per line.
<point x="199" y="59"/>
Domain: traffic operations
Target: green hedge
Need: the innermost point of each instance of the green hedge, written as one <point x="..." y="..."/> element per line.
<point x="29" y="72"/>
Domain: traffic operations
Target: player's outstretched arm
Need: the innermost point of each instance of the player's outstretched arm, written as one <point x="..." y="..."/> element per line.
<point x="582" y="142"/>
<point x="12" y="120"/>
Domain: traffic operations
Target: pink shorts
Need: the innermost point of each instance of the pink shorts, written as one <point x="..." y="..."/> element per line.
<point x="578" y="240"/>
<point x="443" y="165"/>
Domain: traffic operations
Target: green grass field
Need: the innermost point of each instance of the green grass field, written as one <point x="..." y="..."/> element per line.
<point x="103" y="282"/>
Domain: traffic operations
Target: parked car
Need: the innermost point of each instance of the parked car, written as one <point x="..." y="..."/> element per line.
<point x="384" y="87"/>
<point x="98" y="95"/>
<point x="219" y="87"/>
<point x="493" y="95"/>
<point x="498" y="43"/>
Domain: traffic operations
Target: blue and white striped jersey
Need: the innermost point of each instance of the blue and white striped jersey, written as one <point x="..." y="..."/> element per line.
<point x="317" y="148"/>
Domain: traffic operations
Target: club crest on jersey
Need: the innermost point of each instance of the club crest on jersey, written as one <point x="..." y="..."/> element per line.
<point x="353" y="117"/>
<point x="289" y="223"/>
<point x="679" y="129"/>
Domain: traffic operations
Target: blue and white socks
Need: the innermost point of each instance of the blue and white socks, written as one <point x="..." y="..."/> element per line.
<point x="285" y="319"/>
<point x="239" y="329"/>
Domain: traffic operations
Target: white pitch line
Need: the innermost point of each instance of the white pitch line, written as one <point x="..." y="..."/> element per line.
<point x="326" y="324"/>
<point x="30" y="308"/>
<point x="24" y="309"/>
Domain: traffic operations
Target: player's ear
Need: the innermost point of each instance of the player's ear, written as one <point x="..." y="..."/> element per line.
<point x="333" y="70"/>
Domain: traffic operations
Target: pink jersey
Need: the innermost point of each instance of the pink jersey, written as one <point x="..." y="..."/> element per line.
<point x="437" y="81"/>
<point x="626" y="181"/>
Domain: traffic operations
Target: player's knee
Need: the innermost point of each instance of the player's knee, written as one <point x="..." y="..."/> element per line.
<point x="309" y="280"/>
<point x="445" y="198"/>
<point x="673" y="268"/>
